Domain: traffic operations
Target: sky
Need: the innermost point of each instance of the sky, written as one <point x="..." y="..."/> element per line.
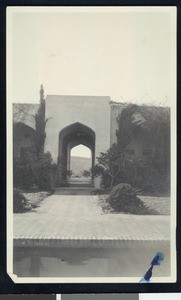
<point x="125" y="54"/>
<point x="81" y="150"/>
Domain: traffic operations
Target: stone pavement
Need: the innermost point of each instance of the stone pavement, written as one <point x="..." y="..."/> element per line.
<point x="67" y="218"/>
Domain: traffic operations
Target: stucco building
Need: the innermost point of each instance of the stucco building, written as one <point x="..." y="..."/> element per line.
<point x="72" y="120"/>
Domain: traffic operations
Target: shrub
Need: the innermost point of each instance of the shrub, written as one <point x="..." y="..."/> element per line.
<point x="23" y="176"/>
<point x="149" y="172"/>
<point x="86" y="173"/>
<point x="20" y="203"/>
<point x="98" y="192"/>
<point x="33" y="170"/>
<point x="123" y="198"/>
<point x="43" y="168"/>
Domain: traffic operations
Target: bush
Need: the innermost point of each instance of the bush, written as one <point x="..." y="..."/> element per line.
<point x="123" y="198"/>
<point x="44" y="167"/>
<point x="23" y="176"/>
<point x="20" y="203"/>
<point x="35" y="171"/>
<point x="98" y="192"/>
<point x="144" y="176"/>
<point x="86" y="173"/>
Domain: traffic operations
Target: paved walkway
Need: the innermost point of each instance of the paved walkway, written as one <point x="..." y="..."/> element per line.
<point x="73" y="217"/>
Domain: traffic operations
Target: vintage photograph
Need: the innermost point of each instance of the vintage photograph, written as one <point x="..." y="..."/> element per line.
<point x="91" y="144"/>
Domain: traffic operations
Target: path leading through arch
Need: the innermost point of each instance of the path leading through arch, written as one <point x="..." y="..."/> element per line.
<point x="97" y="244"/>
<point x="70" y="216"/>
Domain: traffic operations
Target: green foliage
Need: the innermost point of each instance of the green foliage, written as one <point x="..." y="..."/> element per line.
<point x="145" y="176"/>
<point x="123" y="198"/>
<point x="36" y="168"/>
<point x="98" y="192"/>
<point x="151" y="172"/>
<point x="157" y="128"/>
<point x="69" y="173"/>
<point x="40" y="124"/>
<point x="20" y="203"/>
<point x="156" y="166"/>
<point x="127" y="125"/>
<point x="86" y="173"/>
<point x="111" y="163"/>
<point x="42" y="168"/>
<point x="23" y="176"/>
<point x="110" y="166"/>
<point x="34" y="171"/>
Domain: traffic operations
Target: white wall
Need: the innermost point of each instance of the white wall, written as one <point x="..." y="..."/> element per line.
<point x="92" y="111"/>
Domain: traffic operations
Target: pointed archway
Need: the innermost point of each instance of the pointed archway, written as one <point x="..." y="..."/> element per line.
<point x="69" y="137"/>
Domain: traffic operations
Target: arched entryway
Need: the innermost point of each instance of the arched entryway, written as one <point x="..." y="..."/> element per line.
<point x="69" y="137"/>
<point x="80" y="161"/>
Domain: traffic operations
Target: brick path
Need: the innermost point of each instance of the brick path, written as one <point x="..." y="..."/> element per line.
<point x="73" y="217"/>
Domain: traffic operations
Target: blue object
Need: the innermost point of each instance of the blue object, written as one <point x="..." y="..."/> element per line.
<point x="157" y="259"/>
<point x="155" y="262"/>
